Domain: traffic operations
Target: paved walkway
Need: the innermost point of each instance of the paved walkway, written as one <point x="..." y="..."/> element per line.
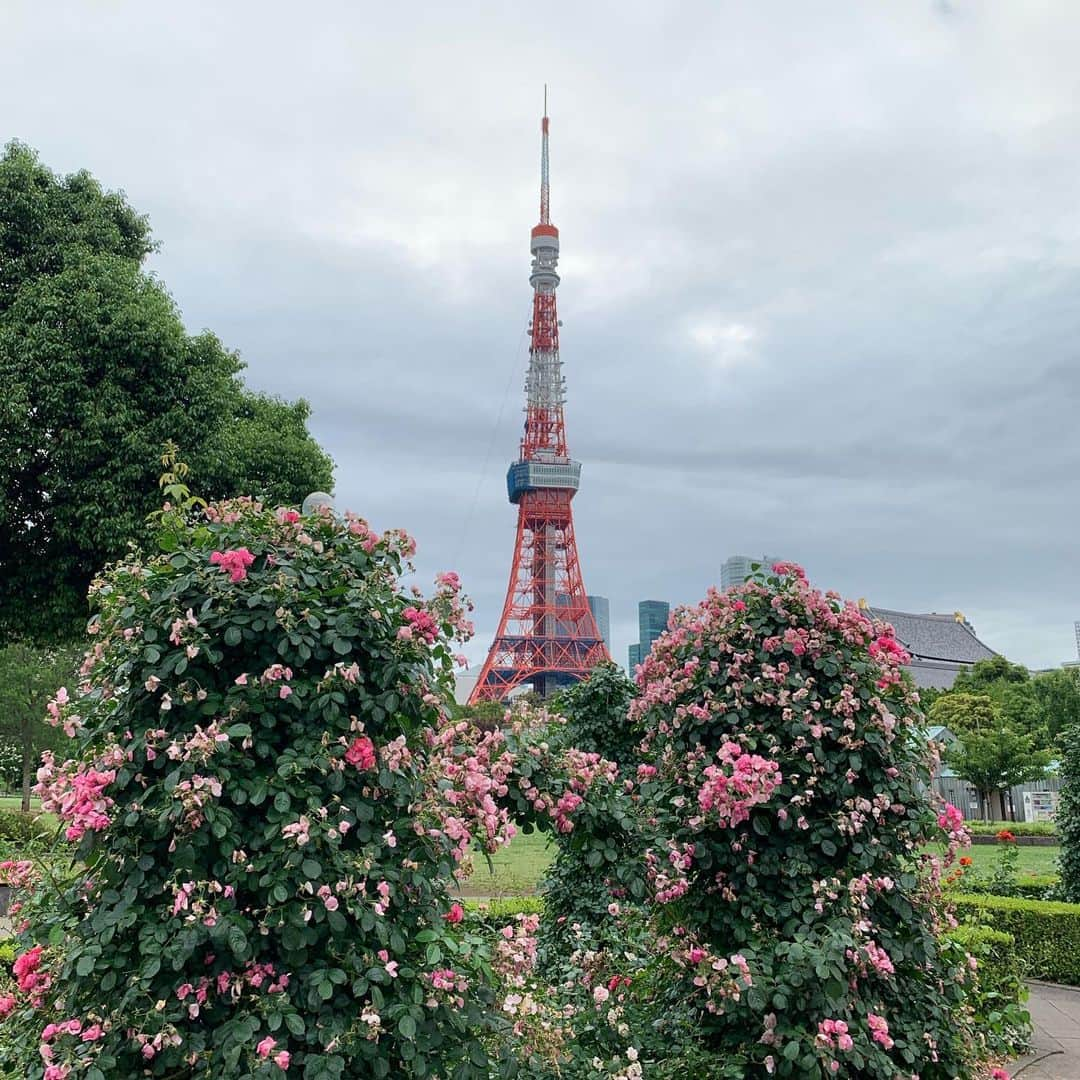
<point x="1055" y="1012"/>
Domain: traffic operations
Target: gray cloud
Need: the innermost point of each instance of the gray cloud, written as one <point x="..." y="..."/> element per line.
<point x="819" y="269"/>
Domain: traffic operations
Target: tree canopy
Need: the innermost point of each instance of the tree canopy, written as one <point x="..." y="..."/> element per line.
<point x="99" y="371"/>
<point x="993" y="760"/>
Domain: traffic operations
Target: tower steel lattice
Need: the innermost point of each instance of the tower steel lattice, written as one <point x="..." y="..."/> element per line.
<point x="547" y="634"/>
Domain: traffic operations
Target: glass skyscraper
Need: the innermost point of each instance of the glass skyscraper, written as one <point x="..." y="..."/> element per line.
<point x="652" y="622"/>
<point x="601" y="610"/>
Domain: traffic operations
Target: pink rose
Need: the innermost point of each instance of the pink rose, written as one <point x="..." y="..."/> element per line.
<point x="361" y="754"/>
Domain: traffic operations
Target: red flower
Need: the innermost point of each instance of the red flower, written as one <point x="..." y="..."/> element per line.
<point x="1006" y="837"/>
<point x="455" y="914"/>
<point x="361" y="754"/>
<point x="965" y="860"/>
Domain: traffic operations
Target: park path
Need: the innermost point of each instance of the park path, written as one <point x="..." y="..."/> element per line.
<point x="1055" y="1013"/>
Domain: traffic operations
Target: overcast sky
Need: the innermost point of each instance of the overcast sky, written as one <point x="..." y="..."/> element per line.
<point x="821" y="269"/>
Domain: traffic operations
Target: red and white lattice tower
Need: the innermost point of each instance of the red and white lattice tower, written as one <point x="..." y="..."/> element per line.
<point x="547" y="635"/>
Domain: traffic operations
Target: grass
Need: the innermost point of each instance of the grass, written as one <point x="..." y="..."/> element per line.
<point x="14" y="802"/>
<point x="1030" y="860"/>
<point x="515" y="870"/>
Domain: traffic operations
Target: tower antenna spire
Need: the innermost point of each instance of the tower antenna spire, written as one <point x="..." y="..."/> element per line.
<point x="545" y="189"/>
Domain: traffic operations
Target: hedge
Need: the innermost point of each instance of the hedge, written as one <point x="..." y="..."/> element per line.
<point x="1047" y="933"/>
<point x="1002" y="958"/>
<point x="1017" y="828"/>
<point x="1029" y="887"/>
<point x="999" y="996"/>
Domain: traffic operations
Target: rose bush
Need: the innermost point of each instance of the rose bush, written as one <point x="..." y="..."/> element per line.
<point x="262" y="853"/>
<point x="789" y="782"/>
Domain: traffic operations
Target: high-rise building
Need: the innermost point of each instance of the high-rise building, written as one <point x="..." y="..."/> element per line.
<point x="738" y="568"/>
<point x="601" y="610"/>
<point x="652" y="622"/>
<point x="547" y="635"/>
<point x="652" y="616"/>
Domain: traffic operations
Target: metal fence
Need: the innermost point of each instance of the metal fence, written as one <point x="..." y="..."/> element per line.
<point x="1031" y="802"/>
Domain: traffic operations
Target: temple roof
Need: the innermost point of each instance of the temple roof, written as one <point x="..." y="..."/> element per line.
<point x="950" y="638"/>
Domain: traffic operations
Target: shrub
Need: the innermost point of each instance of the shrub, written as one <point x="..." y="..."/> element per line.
<point x="784" y="765"/>
<point x="1068" y="815"/>
<point x="262" y="848"/>
<point x="581" y="883"/>
<point x="998" y="996"/>
<point x="24" y="830"/>
<point x="1047" y="933"/>
<point x="1033" y="887"/>
<point x="1017" y="828"/>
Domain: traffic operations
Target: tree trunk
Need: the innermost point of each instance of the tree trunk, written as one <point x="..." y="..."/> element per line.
<point x="26" y="737"/>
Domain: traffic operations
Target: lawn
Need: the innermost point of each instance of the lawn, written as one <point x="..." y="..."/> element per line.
<point x="1031" y="859"/>
<point x="517" y="869"/>
<point x="14" y="802"/>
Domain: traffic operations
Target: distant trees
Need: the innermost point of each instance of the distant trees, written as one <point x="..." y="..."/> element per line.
<point x="98" y="371"/>
<point x="29" y="677"/>
<point x="1009" y="724"/>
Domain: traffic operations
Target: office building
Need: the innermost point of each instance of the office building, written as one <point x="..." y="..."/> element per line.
<point x="738" y="568"/>
<point x="601" y="610"/>
<point x="652" y="622"/>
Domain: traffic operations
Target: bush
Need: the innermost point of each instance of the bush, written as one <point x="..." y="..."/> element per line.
<point x="1017" y="828"/>
<point x="784" y="765"/>
<point x="488" y="915"/>
<point x="261" y="845"/>
<point x="581" y="881"/>
<point x="1047" y="933"/>
<point x="24" y="830"/>
<point x="1033" y="887"/>
<point x="999" y="993"/>
<point x="1068" y="815"/>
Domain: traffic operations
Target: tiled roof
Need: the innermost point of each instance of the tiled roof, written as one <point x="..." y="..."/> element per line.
<point x="935" y="637"/>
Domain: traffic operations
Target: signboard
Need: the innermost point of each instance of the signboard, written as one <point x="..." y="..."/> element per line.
<point x="1040" y="805"/>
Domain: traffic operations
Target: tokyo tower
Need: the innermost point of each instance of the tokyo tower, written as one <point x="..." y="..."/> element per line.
<point x="547" y="634"/>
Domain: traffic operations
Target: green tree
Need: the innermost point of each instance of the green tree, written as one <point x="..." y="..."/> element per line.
<point x="961" y="712"/>
<point x="995" y="758"/>
<point x="29" y="677"/>
<point x="47" y="221"/>
<point x="1057" y="698"/>
<point x="984" y="674"/>
<point x="98" y="371"/>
